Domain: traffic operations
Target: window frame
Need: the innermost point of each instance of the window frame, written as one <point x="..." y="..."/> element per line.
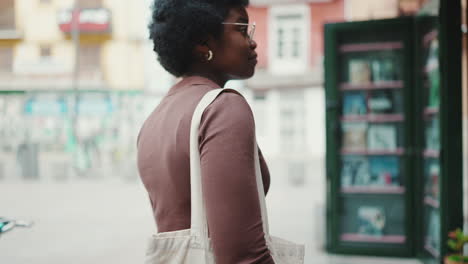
<point x="288" y="65"/>
<point x="6" y="66"/>
<point x="292" y="101"/>
<point x="85" y="4"/>
<point x="45" y="52"/>
<point x="7" y="15"/>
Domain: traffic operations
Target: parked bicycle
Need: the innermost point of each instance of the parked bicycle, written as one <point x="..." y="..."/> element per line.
<point x="9" y="224"/>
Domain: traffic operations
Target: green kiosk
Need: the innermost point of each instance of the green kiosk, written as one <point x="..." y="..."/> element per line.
<point x="394" y="135"/>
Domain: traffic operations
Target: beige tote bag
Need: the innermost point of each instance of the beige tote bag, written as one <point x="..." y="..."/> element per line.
<point x="192" y="246"/>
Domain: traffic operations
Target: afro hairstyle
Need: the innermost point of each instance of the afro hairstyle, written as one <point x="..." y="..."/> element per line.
<point x="177" y="26"/>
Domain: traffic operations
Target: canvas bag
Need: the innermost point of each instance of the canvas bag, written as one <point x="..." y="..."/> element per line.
<point x="192" y="246"/>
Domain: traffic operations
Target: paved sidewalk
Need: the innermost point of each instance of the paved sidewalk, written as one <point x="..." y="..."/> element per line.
<point x="109" y="222"/>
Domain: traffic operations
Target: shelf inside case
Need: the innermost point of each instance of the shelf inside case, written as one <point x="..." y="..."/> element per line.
<point x="346" y="86"/>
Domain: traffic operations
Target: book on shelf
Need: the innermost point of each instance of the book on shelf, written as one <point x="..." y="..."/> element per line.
<point x="371" y="220"/>
<point x="379" y="171"/>
<point x="354" y="103"/>
<point x="354" y="136"/>
<point x="382" y="137"/>
<point x="384" y="69"/>
<point x="354" y="171"/>
<point x="385" y="171"/>
<point x="359" y="71"/>
<point x="381" y="102"/>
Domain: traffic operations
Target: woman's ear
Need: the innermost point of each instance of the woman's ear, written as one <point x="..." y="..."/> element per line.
<point x="204" y="48"/>
<point x="201" y="51"/>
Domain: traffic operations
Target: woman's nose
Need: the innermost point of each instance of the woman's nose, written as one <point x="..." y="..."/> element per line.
<point x="253" y="44"/>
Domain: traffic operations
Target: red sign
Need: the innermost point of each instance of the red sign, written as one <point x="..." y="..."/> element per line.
<point x="91" y="20"/>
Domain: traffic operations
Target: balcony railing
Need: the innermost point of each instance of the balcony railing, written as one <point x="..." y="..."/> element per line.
<point x="90" y="20"/>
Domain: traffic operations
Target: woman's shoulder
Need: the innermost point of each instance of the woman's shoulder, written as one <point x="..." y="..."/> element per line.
<point x="230" y="101"/>
<point x="229" y="108"/>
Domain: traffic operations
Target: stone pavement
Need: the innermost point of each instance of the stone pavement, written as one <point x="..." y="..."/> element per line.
<point x="109" y="222"/>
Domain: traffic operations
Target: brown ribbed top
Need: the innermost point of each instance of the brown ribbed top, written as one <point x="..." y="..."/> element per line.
<point x="226" y="140"/>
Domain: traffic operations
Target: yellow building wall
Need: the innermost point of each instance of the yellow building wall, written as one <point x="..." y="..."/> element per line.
<point x="121" y="52"/>
<point x="123" y="64"/>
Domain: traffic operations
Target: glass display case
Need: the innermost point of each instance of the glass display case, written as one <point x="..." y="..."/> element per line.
<point x="368" y="108"/>
<point x="438" y="133"/>
<point x="394" y="145"/>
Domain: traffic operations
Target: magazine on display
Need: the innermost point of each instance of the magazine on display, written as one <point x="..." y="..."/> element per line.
<point x="383" y="69"/>
<point x="385" y="171"/>
<point x="359" y="71"/>
<point x="354" y="136"/>
<point x="354" y="103"/>
<point x="371" y="220"/>
<point x="354" y="171"/>
<point x="381" y="102"/>
<point x="382" y="137"/>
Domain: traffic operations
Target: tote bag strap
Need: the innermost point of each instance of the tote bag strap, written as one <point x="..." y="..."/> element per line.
<point x="199" y="223"/>
<point x="261" y="191"/>
<point x="198" y="213"/>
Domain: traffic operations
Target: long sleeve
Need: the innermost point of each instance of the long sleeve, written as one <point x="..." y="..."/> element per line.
<point x="227" y="137"/>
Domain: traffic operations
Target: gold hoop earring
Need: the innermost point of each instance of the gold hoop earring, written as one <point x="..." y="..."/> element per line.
<point x="209" y="56"/>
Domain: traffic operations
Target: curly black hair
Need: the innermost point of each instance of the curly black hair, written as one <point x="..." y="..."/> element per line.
<point x="178" y="25"/>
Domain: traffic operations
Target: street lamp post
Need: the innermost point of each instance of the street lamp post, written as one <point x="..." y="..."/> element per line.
<point x="75" y="33"/>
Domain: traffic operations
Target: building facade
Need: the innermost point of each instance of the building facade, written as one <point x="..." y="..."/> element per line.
<point x="38" y="45"/>
<point x="286" y="93"/>
<point x="72" y="82"/>
<point x="101" y="49"/>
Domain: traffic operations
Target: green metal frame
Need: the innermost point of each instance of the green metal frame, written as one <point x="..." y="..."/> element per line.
<point x="451" y="119"/>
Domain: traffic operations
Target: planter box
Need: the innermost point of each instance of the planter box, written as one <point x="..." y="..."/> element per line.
<point x="448" y="261"/>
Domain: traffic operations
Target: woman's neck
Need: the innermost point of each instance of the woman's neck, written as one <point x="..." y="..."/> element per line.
<point x="216" y="78"/>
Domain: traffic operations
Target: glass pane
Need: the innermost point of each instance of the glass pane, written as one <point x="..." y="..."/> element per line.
<point x="386" y="102"/>
<point x="432" y="231"/>
<point x="383" y="137"/>
<point x="372" y="184"/>
<point x="432" y="133"/>
<point x="354" y="103"/>
<point x="431" y="173"/>
<point x="372" y="67"/>
<point x="431" y="197"/>
<point x="375" y="171"/>
<point x="354" y="136"/>
<point x="371" y="219"/>
<point x="375" y="137"/>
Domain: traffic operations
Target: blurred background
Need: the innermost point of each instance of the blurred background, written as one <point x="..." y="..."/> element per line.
<point x="77" y="80"/>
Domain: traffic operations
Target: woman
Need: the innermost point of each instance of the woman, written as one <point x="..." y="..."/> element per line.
<point x="206" y="43"/>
